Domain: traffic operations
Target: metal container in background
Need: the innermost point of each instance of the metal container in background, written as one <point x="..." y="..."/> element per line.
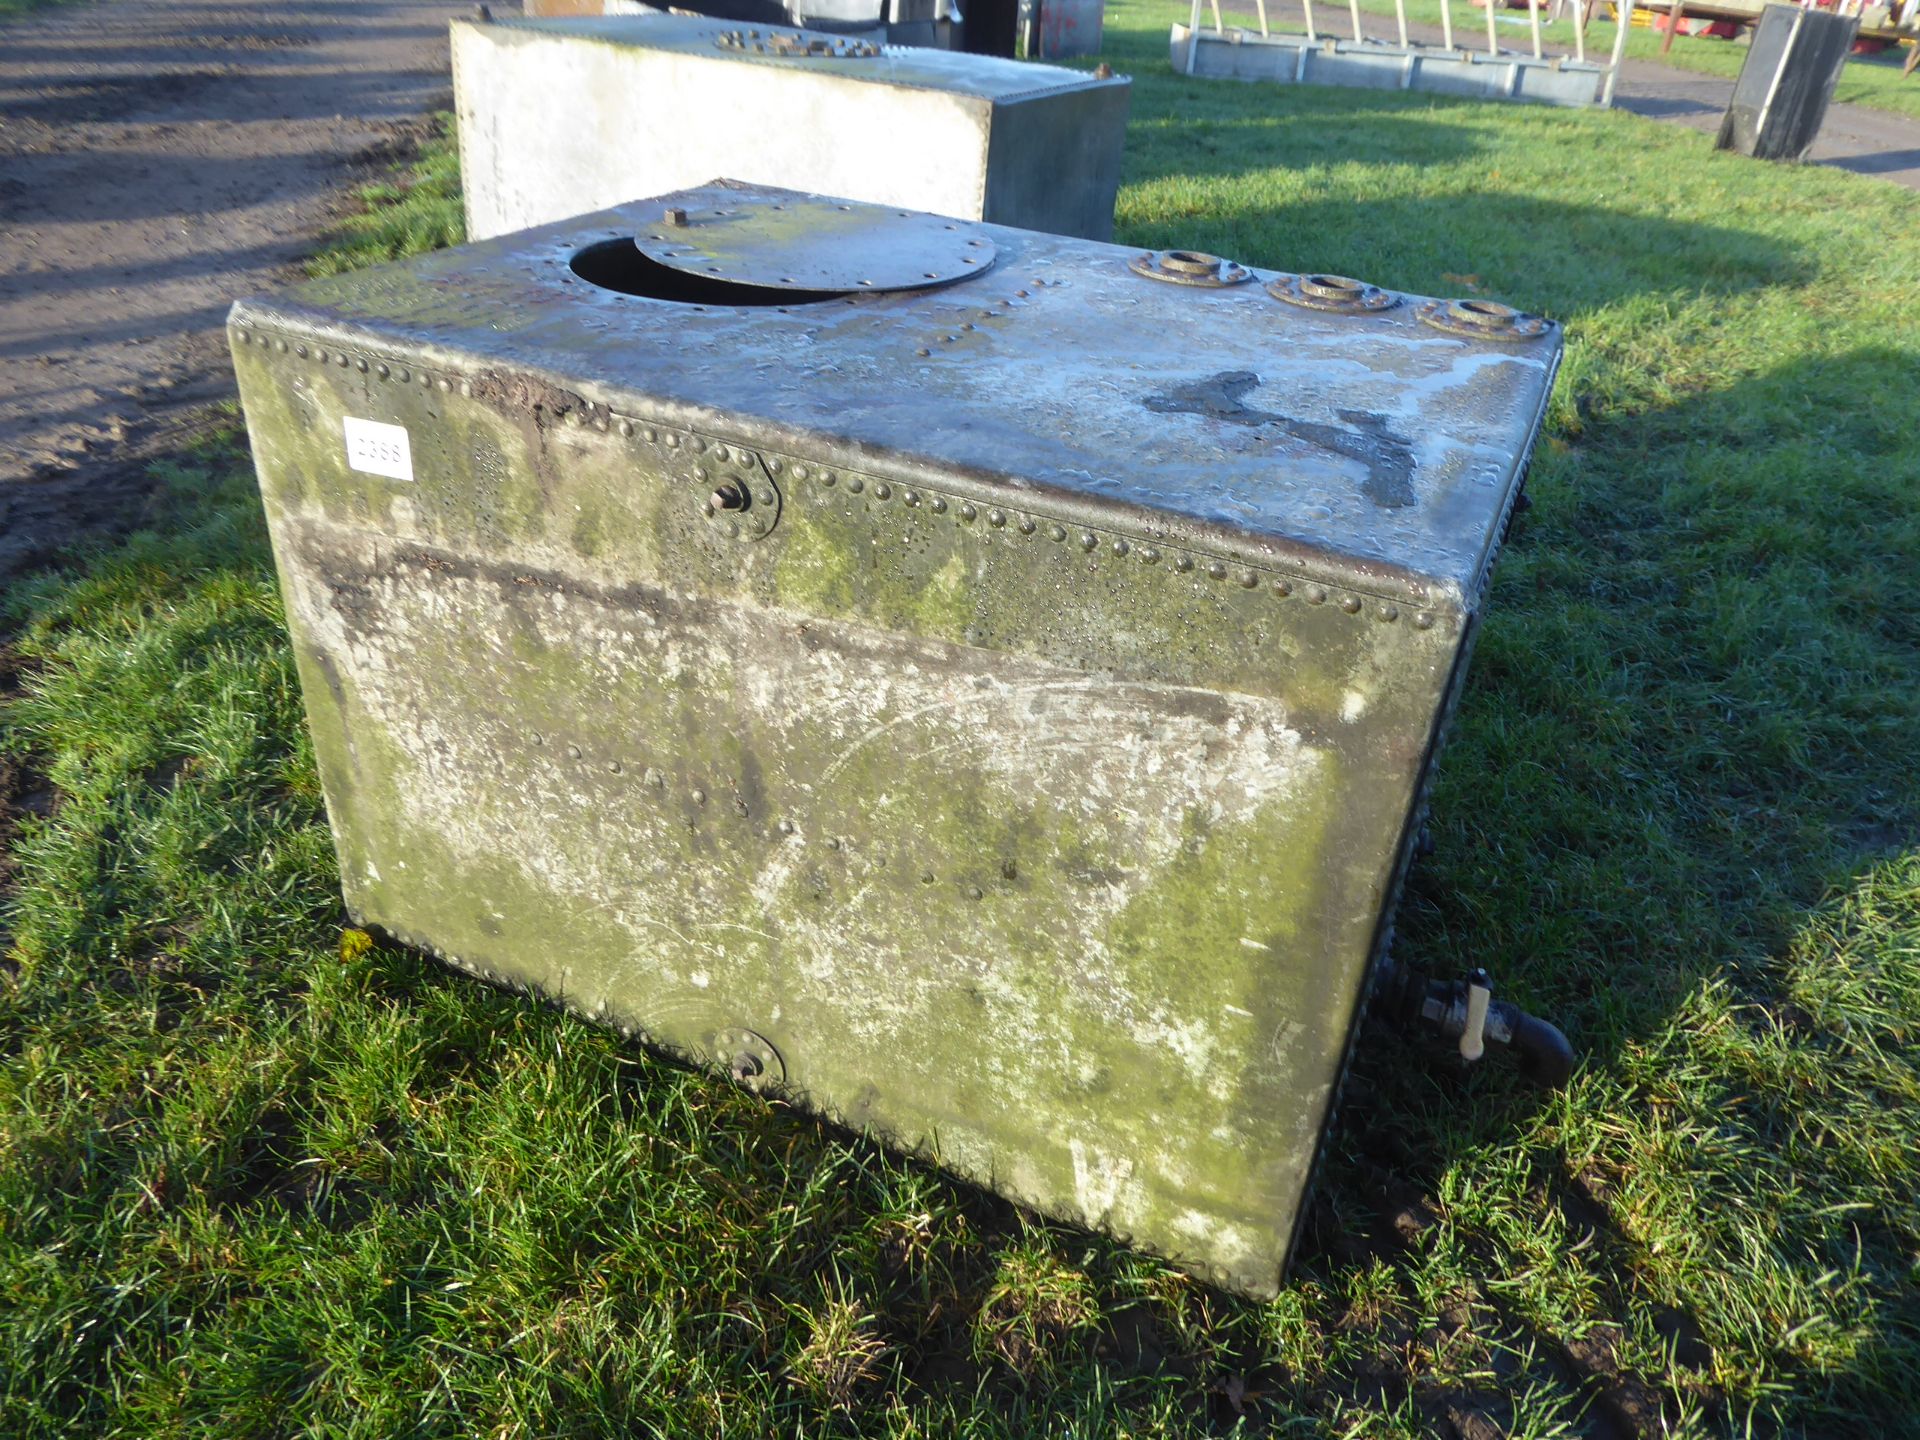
<point x="1295" y="59"/>
<point x="559" y="117"/>
<point x="1069" y="28"/>
<point x="561" y="9"/>
<point x="980" y="684"/>
<point x="936" y="24"/>
<point x="1786" y="82"/>
<point x="930" y="24"/>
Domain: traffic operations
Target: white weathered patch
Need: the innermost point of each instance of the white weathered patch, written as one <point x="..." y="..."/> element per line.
<point x="1353" y="704"/>
<point x="773" y="878"/>
<point x="1103" y="1183"/>
<point x="1192" y="1040"/>
<point x="1226" y="1245"/>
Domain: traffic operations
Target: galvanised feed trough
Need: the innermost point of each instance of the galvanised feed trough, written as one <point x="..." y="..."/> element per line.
<point x="979" y="684"/>
<point x="934" y="23"/>
<point x="559" y="117"/>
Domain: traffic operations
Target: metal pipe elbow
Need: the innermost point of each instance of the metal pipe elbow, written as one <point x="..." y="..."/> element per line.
<point x="1546" y="1056"/>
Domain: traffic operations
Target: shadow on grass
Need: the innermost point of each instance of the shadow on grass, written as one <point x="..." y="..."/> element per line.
<point x="1691" y="737"/>
<point x="1307" y="178"/>
<point x="1548" y="256"/>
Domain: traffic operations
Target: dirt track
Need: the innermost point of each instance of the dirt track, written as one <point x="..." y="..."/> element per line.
<point x="157" y="159"/>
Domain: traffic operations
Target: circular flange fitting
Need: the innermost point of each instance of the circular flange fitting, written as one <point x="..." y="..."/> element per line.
<point x="810" y="243"/>
<point x="1334" y="293"/>
<point x="1482" y="320"/>
<point x="796" y="44"/>
<point x="1189" y="267"/>
<point x="750" y="1059"/>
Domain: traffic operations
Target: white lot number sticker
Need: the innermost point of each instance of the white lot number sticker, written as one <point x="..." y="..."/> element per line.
<point x="379" y="449"/>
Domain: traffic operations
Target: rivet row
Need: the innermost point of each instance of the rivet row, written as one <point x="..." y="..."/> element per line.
<point x="965" y="512"/>
<point x="1089" y="541"/>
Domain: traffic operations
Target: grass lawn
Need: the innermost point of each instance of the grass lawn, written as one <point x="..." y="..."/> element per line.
<point x="11" y="8"/>
<point x="1872" y="80"/>
<point x="257" y="1179"/>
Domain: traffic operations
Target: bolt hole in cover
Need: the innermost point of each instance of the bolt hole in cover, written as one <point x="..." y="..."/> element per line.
<point x="754" y="251"/>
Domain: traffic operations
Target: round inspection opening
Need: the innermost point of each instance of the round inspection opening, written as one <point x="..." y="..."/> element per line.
<point x="619" y="266"/>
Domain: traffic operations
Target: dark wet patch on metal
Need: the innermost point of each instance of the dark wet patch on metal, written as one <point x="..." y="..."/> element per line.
<point x="1387" y="456"/>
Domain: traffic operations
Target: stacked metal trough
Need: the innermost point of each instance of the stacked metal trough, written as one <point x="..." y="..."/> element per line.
<point x="561" y="117"/>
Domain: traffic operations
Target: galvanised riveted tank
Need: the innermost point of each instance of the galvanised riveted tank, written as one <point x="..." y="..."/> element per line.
<point x="561" y="116"/>
<point x="980" y="683"/>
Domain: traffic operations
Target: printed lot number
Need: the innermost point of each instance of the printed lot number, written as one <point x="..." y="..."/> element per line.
<point x="376" y="448"/>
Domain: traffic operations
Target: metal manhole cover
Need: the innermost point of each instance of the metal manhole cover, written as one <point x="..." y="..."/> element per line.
<point x="817" y="244"/>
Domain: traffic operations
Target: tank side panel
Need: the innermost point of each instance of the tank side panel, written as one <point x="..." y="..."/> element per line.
<point x="1054" y="160"/>
<point x="1056" y="863"/>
